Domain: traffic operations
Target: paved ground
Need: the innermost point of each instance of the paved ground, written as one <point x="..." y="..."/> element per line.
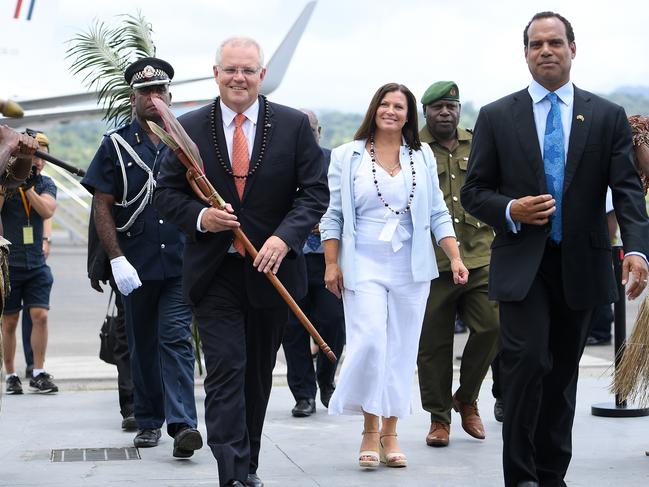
<point x="315" y="451"/>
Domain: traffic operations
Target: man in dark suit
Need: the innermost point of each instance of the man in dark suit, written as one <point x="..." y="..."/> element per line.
<point x="263" y="158"/>
<point x="327" y="314"/>
<point x="538" y="171"/>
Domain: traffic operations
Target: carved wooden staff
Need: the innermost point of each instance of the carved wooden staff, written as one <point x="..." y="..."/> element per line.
<point x="189" y="157"/>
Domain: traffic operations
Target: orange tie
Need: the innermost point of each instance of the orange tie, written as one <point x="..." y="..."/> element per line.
<point x="240" y="164"/>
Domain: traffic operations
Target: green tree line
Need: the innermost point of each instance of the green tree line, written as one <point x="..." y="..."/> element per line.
<point x="76" y="142"/>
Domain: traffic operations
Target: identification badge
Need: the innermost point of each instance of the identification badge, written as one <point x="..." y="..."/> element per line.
<point x="28" y="235"/>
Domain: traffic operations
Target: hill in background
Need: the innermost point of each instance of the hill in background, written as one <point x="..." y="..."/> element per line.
<point x="77" y="142"/>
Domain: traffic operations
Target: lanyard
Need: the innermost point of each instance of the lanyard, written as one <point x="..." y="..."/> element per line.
<point x="27" y="206"/>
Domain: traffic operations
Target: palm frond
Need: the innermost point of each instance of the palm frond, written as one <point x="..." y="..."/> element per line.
<point x="97" y="56"/>
<point x="137" y="35"/>
<point x="102" y="54"/>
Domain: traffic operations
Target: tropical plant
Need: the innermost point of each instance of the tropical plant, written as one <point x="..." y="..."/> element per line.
<point x="102" y="54"/>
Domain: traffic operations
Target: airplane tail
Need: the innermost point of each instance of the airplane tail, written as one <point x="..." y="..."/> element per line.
<point x="278" y="64"/>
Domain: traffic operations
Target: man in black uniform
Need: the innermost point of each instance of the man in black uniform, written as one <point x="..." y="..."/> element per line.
<point x="145" y="253"/>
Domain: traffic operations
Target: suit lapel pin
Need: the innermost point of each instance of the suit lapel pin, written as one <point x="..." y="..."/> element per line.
<point x="580" y="118"/>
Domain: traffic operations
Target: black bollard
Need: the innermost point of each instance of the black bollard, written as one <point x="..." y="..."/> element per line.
<point x="618" y="409"/>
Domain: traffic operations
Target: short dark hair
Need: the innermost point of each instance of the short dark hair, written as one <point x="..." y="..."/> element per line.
<point x="410" y="130"/>
<point x="547" y="15"/>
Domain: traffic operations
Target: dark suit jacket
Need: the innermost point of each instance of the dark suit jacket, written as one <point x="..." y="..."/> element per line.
<point x="285" y="197"/>
<point x="506" y="163"/>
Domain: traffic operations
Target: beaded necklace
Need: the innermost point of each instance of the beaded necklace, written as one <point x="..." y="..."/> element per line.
<point x="264" y="139"/>
<point x="376" y="183"/>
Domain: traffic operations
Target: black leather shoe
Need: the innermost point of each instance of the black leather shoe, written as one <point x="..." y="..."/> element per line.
<point x="253" y="480"/>
<point x="186" y="441"/>
<point x="325" y="394"/>
<point x="303" y="408"/>
<point x="592" y="341"/>
<point x="235" y="483"/>
<point x="528" y="483"/>
<point x="499" y="410"/>
<point x="129" y="423"/>
<point x="147" y="438"/>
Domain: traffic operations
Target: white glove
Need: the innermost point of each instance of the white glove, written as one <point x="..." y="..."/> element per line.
<point x="125" y="275"/>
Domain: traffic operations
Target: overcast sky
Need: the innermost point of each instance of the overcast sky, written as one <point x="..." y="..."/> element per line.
<point x="348" y="49"/>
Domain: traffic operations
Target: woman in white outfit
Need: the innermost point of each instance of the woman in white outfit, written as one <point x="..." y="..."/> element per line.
<point x="385" y="202"/>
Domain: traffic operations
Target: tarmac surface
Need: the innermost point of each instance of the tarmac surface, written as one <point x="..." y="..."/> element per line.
<point x="316" y="451"/>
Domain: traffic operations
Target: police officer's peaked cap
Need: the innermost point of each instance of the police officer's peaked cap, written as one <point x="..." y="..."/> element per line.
<point x="442" y="90"/>
<point x="148" y="71"/>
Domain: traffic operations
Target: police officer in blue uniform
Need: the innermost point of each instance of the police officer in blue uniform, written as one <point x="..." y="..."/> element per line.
<point x="145" y="254"/>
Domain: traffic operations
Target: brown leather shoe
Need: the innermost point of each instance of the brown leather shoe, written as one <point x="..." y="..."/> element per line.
<point x="471" y="422"/>
<point x="438" y="434"/>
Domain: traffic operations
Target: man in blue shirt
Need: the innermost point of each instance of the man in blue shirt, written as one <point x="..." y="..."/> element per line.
<point x="145" y="253"/>
<point x="30" y="277"/>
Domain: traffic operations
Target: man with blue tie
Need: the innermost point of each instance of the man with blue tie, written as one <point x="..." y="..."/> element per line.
<point x="538" y="171"/>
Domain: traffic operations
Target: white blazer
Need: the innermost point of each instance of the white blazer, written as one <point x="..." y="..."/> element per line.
<point x="428" y="210"/>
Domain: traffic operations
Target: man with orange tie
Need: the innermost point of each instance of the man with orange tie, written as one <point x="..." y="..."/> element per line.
<point x="263" y="159"/>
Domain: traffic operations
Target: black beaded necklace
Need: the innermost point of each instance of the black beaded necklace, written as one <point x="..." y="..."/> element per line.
<point x="264" y="139"/>
<point x="376" y="183"/>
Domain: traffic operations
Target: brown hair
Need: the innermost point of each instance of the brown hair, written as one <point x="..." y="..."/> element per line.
<point x="410" y="130"/>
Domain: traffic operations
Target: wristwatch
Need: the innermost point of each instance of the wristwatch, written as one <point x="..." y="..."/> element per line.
<point x="47" y="239"/>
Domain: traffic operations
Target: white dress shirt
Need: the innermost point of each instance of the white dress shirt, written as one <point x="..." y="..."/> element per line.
<point x="249" y="125"/>
<point x="249" y="128"/>
<point x="541" y="107"/>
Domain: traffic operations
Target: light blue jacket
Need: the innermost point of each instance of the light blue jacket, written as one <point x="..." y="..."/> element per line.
<point x="428" y="210"/>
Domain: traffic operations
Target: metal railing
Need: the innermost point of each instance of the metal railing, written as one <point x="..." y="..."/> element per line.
<point x="73" y="204"/>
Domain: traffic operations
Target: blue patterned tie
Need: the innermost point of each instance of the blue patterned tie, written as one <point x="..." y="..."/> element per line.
<point x="553" y="161"/>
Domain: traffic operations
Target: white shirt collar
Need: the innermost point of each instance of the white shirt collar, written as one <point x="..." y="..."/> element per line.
<point x="566" y="93"/>
<point x="227" y="114"/>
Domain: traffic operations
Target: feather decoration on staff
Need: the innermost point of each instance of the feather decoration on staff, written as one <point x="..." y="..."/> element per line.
<point x="631" y="380"/>
<point x="102" y="54"/>
<point x="184" y="147"/>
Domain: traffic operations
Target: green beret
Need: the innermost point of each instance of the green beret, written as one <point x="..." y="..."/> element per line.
<point x="442" y="90"/>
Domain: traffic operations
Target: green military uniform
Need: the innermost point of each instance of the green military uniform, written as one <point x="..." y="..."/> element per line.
<point x="435" y="359"/>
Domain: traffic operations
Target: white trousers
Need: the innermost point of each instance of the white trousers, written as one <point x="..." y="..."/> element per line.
<point x="383" y="320"/>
